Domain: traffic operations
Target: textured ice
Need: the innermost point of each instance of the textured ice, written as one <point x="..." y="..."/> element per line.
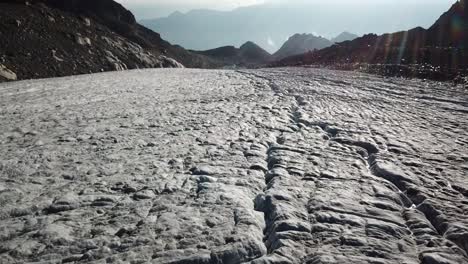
<point x="262" y="166"/>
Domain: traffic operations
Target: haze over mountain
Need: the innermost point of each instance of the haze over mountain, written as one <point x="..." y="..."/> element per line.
<point x="149" y="9"/>
<point x="345" y="36"/>
<point x="272" y="23"/>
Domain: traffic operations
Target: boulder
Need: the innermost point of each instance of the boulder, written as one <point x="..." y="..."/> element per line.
<point x="87" y="21"/>
<point x="7" y="73"/>
<point x="166" y="62"/>
<point x="82" y="40"/>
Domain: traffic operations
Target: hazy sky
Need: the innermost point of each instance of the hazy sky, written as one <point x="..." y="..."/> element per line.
<point x="158" y="8"/>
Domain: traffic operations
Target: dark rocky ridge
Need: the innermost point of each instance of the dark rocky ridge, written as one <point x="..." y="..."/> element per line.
<point x="247" y="55"/>
<point x="444" y="47"/>
<point x="451" y="29"/>
<point x="50" y="38"/>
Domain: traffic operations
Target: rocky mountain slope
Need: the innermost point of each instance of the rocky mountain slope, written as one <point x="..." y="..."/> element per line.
<point x="444" y="46"/>
<point x="301" y="43"/>
<point x="248" y="55"/>
<point x="278" y="166"/>
<point x="451" y="29"/>
<point x="50" y="38"/>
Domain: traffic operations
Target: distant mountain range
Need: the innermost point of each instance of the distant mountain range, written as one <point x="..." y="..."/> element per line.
<point x="444" y="45"/>
<point x="252" y="55"/>
<point x="270" y="25"/>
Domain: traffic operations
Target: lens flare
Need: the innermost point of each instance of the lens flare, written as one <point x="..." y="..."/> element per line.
<point x="402" y="47"/>
<point x="457" y="30"/>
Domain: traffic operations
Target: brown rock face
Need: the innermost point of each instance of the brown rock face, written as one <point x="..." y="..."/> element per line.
<point x="53" y="38"/>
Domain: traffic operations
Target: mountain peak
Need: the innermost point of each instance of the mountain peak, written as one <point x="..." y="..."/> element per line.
<point x="344" y="36"/>
<point x="176" y="14"/>
<point x="254" y="52"/>
<point x="248" y="45"/>
<point x="304" y="36"/>
<point x="301" y="43"/>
